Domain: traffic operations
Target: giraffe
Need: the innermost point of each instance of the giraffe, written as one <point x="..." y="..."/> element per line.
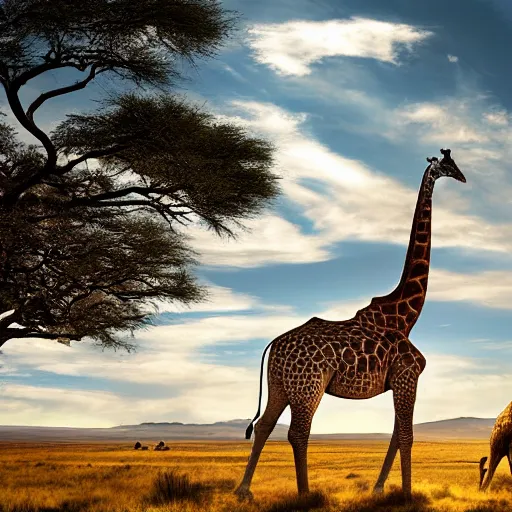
<point x="357" y="358"/>
<point x="501" y="446"/>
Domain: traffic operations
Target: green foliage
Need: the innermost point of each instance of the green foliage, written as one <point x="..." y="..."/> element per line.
<point x="140" y="41"/>
<point x="208" y="170"/>
<point x="86" y="249"/>
<point x="71" y="277"/>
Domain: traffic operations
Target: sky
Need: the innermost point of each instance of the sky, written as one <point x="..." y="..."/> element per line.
<point x="355" y="94"/>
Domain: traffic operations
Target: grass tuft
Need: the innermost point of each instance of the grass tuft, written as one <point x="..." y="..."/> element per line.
<point x="501" y="483"/>
<point x="362" y="485"/>
<point x="393" y="501"/>
<point x="170" y="486"/>
<point x="445" y="492"/>
<point x="294" y="503"/>
<point x="493" y="506"/>
<point x="224" y="484"/>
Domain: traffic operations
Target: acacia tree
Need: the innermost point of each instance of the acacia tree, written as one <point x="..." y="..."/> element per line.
<point x="85" y="249"/>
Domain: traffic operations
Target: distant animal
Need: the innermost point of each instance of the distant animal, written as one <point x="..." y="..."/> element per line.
<point x="144" y="448"/>
<point x="137" y="445"/>
<point x="159" y="446"/>
<point x="500" y="446"/>
<point x="357" y="358"/>
<point x="165" y="448"/>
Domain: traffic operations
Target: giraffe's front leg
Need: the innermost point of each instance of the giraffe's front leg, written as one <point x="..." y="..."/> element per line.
<point x="303" y="408"/>
<point x="388" y="461"/>
<point x="404" y="397"/>
<point x="494" y="460"/>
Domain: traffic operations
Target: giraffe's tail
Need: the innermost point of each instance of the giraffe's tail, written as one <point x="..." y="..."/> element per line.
<point x="250" y="428"/>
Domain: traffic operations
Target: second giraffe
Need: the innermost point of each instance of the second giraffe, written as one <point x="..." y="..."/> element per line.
<point x="357" y="358"/>
<point x="500" y="446"/>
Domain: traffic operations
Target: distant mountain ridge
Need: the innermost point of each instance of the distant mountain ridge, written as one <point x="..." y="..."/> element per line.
<point x="456" y="428"/>
<point x="233" y="430"/>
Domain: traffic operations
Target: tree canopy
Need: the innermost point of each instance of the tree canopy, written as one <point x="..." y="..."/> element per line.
<point x="92" y="220"/>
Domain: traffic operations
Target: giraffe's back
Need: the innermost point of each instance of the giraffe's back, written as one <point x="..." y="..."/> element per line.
<point x="347" y="359"/>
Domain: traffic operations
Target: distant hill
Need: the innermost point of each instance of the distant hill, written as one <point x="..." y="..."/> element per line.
<point x="456" y="428"/>
<point x="234" y="430"/>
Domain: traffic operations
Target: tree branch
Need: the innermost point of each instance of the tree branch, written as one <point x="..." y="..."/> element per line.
<point x="128" y="202"/>
<point x="63" y="90"/>
<point x="31" y="127"/>
<point x="27" y="121"/>
<point x="24" y="77"/>
<point x="13" y="333"/>
<point x="17" y="109"/>
<point x="143" y="191"/>
<point x="98" y="153"/>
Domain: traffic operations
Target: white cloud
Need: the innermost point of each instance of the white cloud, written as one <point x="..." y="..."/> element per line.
<point x="191" y="385"/>
<point x="352" y="201"/>
<point x="472" y="124"/>
<point x="452" y="386"/>
<point x="344" y="310"/>
<point x="453" y="58"/>
<point x="450" y="123"/>
<point x="167" y="354"/>
<point x="290" y="48"/>
<point x="490" y="344"/>
<point x="234" y="73"/>
<point x="219" y="298"/>
<point x="268" y="239"/>
<point x="489" y="288"/>
<point x="41" y="406"/>
<point x="499" y="118"/>
<point x="492" y="289"/>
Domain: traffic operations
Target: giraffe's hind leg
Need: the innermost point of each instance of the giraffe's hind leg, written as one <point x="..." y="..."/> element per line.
<point x="277" y="402"/>
<point x="509" y="457"/>
<point x="388" y="461"/>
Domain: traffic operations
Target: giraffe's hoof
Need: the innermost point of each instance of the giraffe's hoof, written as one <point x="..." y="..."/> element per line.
<point x="378" y="490"/>
<point x="244" y="494"/>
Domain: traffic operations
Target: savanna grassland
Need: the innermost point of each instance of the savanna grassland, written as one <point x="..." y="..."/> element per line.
<point x="101" y="477"/>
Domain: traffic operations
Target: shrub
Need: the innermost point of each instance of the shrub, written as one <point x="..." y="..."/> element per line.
<point x="170" y="486"/>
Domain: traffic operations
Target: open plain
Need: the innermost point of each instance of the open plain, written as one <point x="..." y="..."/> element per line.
<point x="51" y="477"/>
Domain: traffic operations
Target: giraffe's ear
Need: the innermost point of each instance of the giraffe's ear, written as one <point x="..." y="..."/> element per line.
<point x="431" y="159"/>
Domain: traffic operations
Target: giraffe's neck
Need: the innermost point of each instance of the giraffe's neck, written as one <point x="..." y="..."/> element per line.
<point x="408" y="297"/>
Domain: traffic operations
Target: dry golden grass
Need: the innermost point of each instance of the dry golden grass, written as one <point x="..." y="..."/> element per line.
<point x="98" y="477"/>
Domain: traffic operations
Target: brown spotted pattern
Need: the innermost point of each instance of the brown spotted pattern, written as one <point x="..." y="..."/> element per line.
<point x="357" y="358"/>
<point x="500" y="446"/>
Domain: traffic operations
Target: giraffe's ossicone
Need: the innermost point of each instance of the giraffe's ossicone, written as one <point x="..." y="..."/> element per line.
<point x="357" y="358"/>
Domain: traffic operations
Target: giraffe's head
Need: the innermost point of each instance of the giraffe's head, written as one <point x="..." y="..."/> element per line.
<point x="445" y="167"/>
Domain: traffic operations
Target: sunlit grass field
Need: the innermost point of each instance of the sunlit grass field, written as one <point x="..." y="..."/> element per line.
<point x="101" y="477"/>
